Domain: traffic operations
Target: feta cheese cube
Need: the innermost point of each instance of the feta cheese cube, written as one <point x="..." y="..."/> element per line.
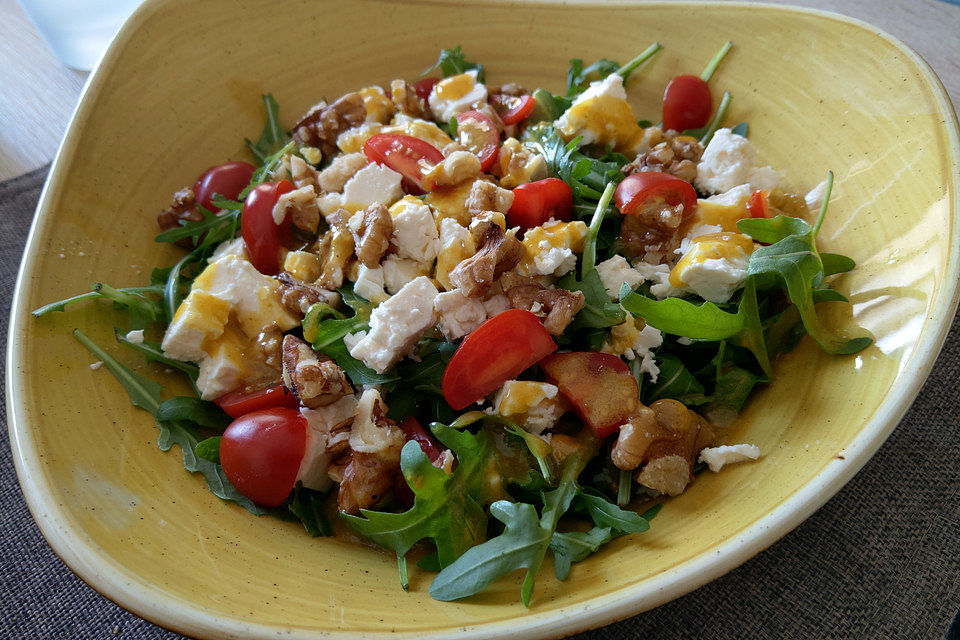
<point x="415" y="233"/>
<point x="717" y="457"/>
<point x="459" y="315"/>
<point x="602" y="115"/>
<point x="369" y="284"/>
<point x="396" y="325"/>
<point x="714" y="267"/>
<point x="533" y="405"/>
<point x="731" y="160"/>
<point x="398" y="271"/>
<point x="200" y="317"/>
<point x="658" y="275"/>
<point x="341" y="169"/>
<point x="496" y="304"/>
<point x="615" y="272"/>
<point x="455" y="95"/>
<point x="371" y="185"/>
<point x="549" y="249"/>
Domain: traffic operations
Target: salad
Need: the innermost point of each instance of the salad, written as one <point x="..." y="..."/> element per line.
<point x="477" y="321"/>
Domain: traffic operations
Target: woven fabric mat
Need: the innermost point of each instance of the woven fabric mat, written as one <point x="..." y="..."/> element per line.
<point x="879" y="560"/>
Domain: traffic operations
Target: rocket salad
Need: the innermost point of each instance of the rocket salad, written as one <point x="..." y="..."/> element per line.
<point x="457" y="314"/>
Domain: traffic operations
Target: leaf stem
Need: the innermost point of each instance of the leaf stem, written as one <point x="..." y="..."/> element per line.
<point x="590" y="247"/>
<point x="625" y="71"/>
<point x="623" y="491"/>
<point x="402" y="566"/>
<point x="717" y="118"/>
<point x="823" y="205"/>
<point x="715" y="61"/>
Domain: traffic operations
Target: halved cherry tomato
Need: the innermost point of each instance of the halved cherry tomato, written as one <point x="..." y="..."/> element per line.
<point x="479" y="135"/>
<point x="413" y="431"/>
<point x="261" y="454"/>
<point x="411" y="157"/>
<point x="647" y="187"/>
<point x="261" y="234"/>
<point x="536" y="202"/>
<point x="424" y="86"/>
<point x="598" y="385"/>
<point x="497" y="351"/>
<point x="239" y="402"/>
<point x="227" y="179"/>
<point x="687" y="103"/>
<point x="512" y="109"/>
<point x="759" y="204"/>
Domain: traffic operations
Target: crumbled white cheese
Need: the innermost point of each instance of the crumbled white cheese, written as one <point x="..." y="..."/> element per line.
<point x="96" y="365"/>
<point x="717" y="457"/>
<point x="396" y="325"/>
<point x="136" y="337"/>
<point x="650" y="338"/>
<point x="456" y="94"/>
<point x="611" y="87"/>
<point x="533" y="405"/>
<point x="415" y="233"/>
<point x="658" y="275"/>
<point x="398" y="271"/>
<point x="496" y="304"/>
<point x="372" y="184"/>
<point x="369" y="284"/>
<point x="459" y="315"/>
<point x="731" y="160"/>
<point x="616" y="271"/>
<point x="341" y="169"/>
<point x="696" y="232"/>
<point x="715" y="279"/>
<point x="814" y="198"/>
<point x="320" y="425"/>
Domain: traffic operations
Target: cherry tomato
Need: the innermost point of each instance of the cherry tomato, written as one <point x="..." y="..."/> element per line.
<point x="598" y="385"/>
<point x="536" y="202"/>
<point x="513" y="109"/>
<point x="261" y="454"/>
<point x="480" y="136"/>
<point x="687" y="103"/>
<point x="413" y="431"/>
<point x="759" y="204"/>
<point x="226" y="179"/>
<point x="497" y="351"/>
<point x="639" y="189"/>
<point x="411" y="157"/>
<point x="261" y="234"/>
<point x="239" y="402"/>
<point x="424" y="86"/>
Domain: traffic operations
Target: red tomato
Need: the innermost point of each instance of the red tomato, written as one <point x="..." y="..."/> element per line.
<point x="480" y="136"/>
<point x="598" y="385"/>
<point x="513" y="109"/>
<point x="687" y="103"/>
<point x="638" y="189"/>
<point x="497" y="351"/>
<point x="239" y="403"/>
<point x="411" y="157"/>
<point x="536" y="202"/>
<point x="413" y="431"/>
<point x="759" y="204"/>
<point x="424" y="87"/>
<point x="226" y="179"/>
<point x="261" y="234"/>
<point x="261" y="454"/>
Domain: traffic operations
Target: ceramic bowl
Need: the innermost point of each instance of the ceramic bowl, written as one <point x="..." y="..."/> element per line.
<point x="819" y="91"/>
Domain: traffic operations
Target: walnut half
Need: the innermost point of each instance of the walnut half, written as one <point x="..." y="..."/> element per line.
<point x="498" y="251"/>
<point x="557" y="307"/>
<point x="372" y="229"/>
<point x="314" y="378"/>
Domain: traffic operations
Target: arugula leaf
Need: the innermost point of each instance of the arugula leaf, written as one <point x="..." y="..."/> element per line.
<point x="675" y="381"/>
<point x="537" y="446"/>
<point x="598" y="311"/>
<point x="152" y="352"/>
<point x="834" y="263"/>
<point x="359" y="373"/>
<point x="586" y="176"/>
<point x="452" y="62"/>
<point x="608" y="515"/>
<point x="741" y="129"/>
<point x="773" y="230"/>
<point x="194" y="410"/>
<point x="575" y="546"/>
<point x="578" y="77"/>
<point x="209" y="449"/>
<point x="137" y="295"/>
<point x="547" y="107"/>
<point x="265" y="172"/>
<point x="322" y="332"/>
<point x="307" y="506"/>
<point x="751" y="336"/>
<point x="682" y="317"/>
<point x="273" y="136"/>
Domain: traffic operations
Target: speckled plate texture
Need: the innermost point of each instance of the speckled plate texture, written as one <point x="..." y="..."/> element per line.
<point x="819" y="91"/>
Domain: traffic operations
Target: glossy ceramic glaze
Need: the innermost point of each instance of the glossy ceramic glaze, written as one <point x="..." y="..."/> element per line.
<point x="820" y="92"/>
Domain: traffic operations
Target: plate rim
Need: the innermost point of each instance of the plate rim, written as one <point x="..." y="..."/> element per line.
<point x="126" y="589"/>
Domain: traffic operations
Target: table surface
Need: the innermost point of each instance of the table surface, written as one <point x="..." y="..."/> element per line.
<point x="38" y="94"/>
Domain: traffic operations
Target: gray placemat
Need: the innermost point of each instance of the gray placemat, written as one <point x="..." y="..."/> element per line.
<point x="880" y="560"/>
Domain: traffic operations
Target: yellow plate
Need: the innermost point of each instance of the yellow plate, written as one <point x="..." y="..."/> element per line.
<point x="820" y="92"/>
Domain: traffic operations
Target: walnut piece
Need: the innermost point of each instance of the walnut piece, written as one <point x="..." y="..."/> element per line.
<point x="407" y="101"/>
<point x="335" y="249"/>
<point x="677" y="155"/>
<point x="669" y="475"/>
<point x="343" y="167"/>
<point x="313" y="377"/>
<point x="302" y="174"/>
<point x="557" y="307"/>
<point x="270" y="342"/>
<point x="653" y="243"/>
<point x="298" y="296"/>
<point x="497" y="252"/>
<point x="518" y="164"/>
<point x="634" y="439"/>
<point x="486" y="196"/>
<point x="182" y="209"/>
<point x="301" y="205"/>
<point x="321" y="125"/>
<point x="674" y="435"/>
<point x="375" y="441"/>
<point x="366" y="480"/>
<point x="371" y="229"/>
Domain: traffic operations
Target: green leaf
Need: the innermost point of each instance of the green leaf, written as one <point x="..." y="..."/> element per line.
<point x="452" y="62"/>
<point x="143" y="393"/>
<point x="360" y="374"/>
<point x="152" y="352"/>
<point x="608" y="515"/>
<point x="307" y="506"/>
<point x="575" y="546"/>
<point x="682" y="317"/>
<point x="598" y="311"/>
<point x="834" y="263"/>
<point x="741" y="129"/>
<point x="194" y="410"/>
<point x="586" y="176"/>
<point x="547" y="107"/>
<point x="751" y="335"/>
<point x="60" y="305"/>
<point x="675" y="381"/>
<point x="828" y="295"/>
<point x="273" y="136"/>
<point x="209" y="449"/>
<point x="579" y="78"/>
<point x="772" y="230"/>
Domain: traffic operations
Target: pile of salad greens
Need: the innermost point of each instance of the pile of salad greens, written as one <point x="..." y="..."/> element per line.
<point x="504" y="504"/>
